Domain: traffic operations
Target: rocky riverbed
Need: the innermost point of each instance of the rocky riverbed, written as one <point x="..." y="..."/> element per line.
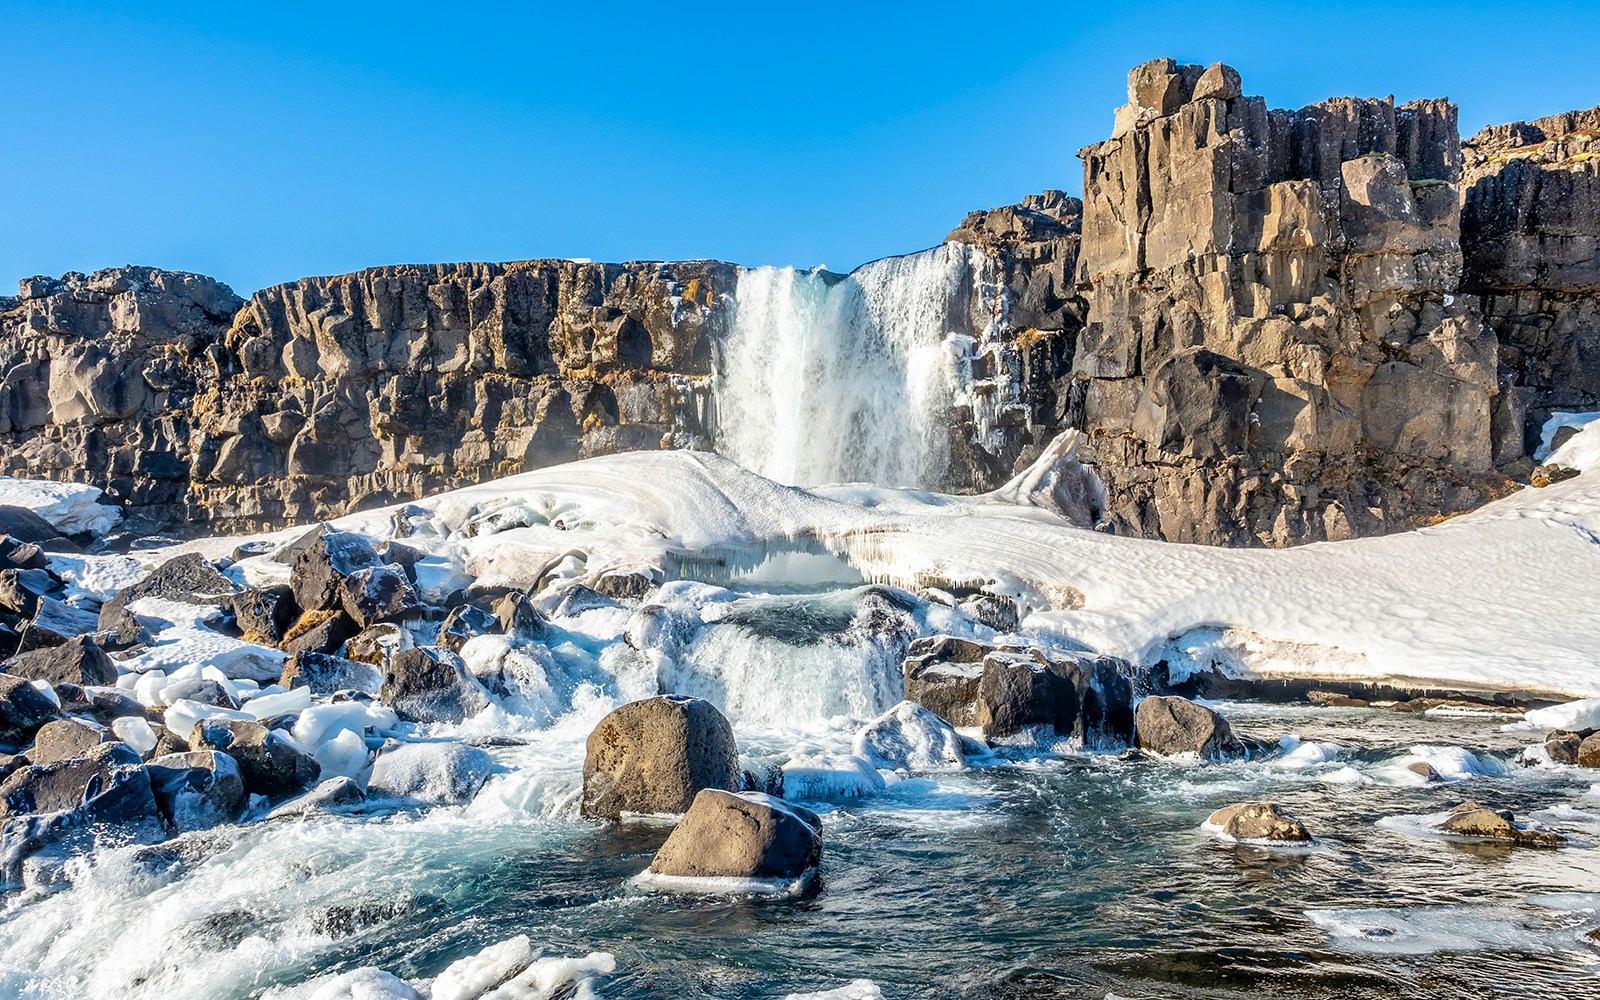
<point x="654" y="726"/>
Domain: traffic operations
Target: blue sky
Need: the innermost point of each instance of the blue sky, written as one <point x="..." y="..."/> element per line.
<point x="260" y="145"/>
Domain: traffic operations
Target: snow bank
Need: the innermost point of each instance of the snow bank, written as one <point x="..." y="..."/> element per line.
<point x="71" y="508"/>
<point x="1472" y="603"/>
<point x="1572" y="716"/>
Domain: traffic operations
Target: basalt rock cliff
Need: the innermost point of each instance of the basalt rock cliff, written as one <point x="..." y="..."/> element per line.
<point x="1273" y="326"/>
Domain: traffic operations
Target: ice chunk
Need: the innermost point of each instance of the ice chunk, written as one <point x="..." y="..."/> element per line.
<point x="183" y="714"/>
<point x="1572" y="715"/>
<point x="859" y="989"/>
<point x="343" y="756"/>
<point x="830" y="777"/>
<point x="136" y="732"/>
<point x="909" y="737"/>
<point x="319" y="723"/>
<point x="511" y="970"/>
<point x="430" y="773"/>
<point x="71" y="508"/>
<point x="265" y="706"/>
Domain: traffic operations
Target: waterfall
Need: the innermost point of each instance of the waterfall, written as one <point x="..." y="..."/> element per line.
<point x="826" y="378"/>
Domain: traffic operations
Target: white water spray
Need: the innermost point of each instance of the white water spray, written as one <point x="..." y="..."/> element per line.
<point x="828" y="378"/>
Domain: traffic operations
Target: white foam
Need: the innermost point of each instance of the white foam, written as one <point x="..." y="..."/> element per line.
<point x="858" y="989"/>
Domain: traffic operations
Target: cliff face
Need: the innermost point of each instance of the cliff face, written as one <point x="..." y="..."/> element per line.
<point x="402" y="381"/>
<point x="99" y="378"/>
<point x="1273" y="326"/>
<point x="1274" y="351"/>
<point x="1531" y="225"/>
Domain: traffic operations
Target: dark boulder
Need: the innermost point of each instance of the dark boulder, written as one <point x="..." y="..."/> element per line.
<point x="76" y="661"/>
<point x="23" y="709"/>
<point x="67" y="739"/>
<point x="741" y="835"/>
<point x="465" y="623"/>
<point x="187" y="579"/>
<point x="655" y="755"/>
<point x="265" y="614"/>
<point x="319" y="632"/>
<point x="54" y="622"/>
<point x="26" y="526"/>
<point x="1172" y="725"/>
<point x="377" y="594"/>
<point x="197" y="790"/>
<point x="320" y="568"/>
<point x="519" y="618"/>
<point x="103" y="705"/>
<point x="269" y="764"/>
<point x="103" y="797"/>
<point x="431" y="684"/>
<point x="20" y="589"/>
<point x="18" y="554"/>
<point x="325" y="674"/>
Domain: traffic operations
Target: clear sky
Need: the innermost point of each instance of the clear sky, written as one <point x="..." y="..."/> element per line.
<point x="263" y="143"/>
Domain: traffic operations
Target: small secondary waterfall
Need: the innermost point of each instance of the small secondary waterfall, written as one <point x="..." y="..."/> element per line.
<point x="843" y="378"/>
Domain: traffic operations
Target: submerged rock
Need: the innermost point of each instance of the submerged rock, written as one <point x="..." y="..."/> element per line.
<point x="1170" y="725"/>
<point x="1482" y="823"/>
<point x="1258" y="821"/>
<point x="741" y="835"/>
<point x="430" y="774"/>
<point x="655" y="755"/>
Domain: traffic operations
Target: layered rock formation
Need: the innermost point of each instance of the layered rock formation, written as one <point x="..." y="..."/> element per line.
<point x="1272" y="326"/>
<point x="1531" y="239"/>
<point x="99" y="378"/>
<point x="1275" y="349"/>
<point x="402" y="381"/>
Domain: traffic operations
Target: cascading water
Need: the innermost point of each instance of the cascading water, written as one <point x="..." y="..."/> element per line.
<point x="827" y="378"/>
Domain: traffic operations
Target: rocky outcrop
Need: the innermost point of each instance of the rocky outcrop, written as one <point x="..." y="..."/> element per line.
<point x="1271" y="326"/>
<point x="404" y="381"/>
<point x="98" y="379"/>
<point x="1275" y="351"/>
<point x="1531" y="240"/>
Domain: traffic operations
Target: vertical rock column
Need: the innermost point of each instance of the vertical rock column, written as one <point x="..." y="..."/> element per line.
<point x="1531" y="234"/>
<point x="1275" y="351"/>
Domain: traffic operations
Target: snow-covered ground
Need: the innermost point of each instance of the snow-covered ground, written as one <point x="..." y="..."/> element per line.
<point x="1502" y="598"/>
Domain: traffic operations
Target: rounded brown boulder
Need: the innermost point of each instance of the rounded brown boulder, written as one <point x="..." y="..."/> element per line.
<point x="741" y="835"/>
<point x="1258" y="821"/>
<point x="1171" y="725"/>
<point x="655" y="755"/>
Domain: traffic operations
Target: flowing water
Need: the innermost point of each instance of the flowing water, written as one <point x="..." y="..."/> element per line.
<point x="829" y="378"/>
<point x="1025" y="874"/>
